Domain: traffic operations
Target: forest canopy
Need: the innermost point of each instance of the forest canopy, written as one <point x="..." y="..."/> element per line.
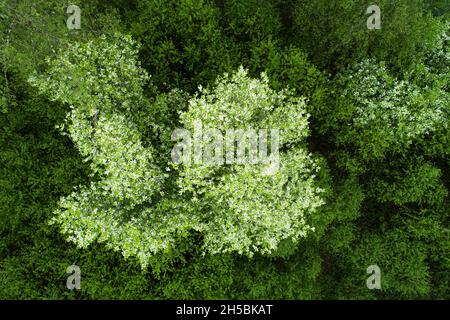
<point x="224" y="149"/>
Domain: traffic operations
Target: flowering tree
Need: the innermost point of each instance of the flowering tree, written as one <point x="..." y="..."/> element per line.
<point x="142" y="204"/>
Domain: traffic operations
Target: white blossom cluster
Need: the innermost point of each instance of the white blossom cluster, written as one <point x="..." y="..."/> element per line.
<point x="248" y="210"/>
<point x="391" y="113"/>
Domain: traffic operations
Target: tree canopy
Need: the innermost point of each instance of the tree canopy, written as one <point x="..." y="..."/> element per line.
<point x="116" y="138"/>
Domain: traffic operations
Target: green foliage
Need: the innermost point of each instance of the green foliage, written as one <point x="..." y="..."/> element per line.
<point x="247" y="23"/>
<point x="335" y="32"/>
<point x="287" y="66"/>
<point x="182" y="44"/>
<point x="391" y="115"/>
<point x="420" y="183"/>
<point x="402" y="260"/>
<point x="364" y="167"/>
